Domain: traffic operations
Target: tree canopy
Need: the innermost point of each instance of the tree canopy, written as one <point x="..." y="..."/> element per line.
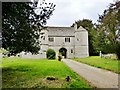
<point x="104" y="36"/>
<point x="109" y="26"/>
<point x="21" y="24"/>
<point x="85" y="23"/>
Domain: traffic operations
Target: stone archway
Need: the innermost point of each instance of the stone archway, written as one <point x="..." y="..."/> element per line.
<point x="63" y="51"/>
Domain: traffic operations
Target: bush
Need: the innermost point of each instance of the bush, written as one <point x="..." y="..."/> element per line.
<point x="117" y="50"/>
<point x="51" y="54"/>
<point x="59" y="57"/>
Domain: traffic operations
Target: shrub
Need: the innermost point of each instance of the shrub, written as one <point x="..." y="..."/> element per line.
<point x="50" y="54"/>
<point x="117" y="50"/>
<point x="59" y="57"/>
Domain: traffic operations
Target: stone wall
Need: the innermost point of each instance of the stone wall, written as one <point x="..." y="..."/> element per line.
<point x="76" y="48"/>
<point x="30" y="55"/>
<point x="81" y="43"/>
<point x="69" y="48"/>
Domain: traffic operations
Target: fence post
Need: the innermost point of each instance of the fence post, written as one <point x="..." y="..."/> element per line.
<point x="100" y="54"/>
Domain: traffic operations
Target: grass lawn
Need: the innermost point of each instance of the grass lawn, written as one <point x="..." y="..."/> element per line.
<point x="98" y="62"/>
<point x="31" y="73"/>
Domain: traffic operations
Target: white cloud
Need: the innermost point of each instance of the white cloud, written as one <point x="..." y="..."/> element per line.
<point x="68" y="11"/>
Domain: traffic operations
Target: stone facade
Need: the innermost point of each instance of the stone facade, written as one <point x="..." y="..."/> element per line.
<point x="72" y="40"/>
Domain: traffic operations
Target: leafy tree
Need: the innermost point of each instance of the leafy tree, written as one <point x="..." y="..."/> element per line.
<point x="85" y="23"/>
<point x="21" y="24"/>
<point x="101" y="42"/>
<point x="109" y="24"/>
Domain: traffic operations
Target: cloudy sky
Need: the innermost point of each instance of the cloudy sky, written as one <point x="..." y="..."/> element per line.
<point x="68" y="11"/>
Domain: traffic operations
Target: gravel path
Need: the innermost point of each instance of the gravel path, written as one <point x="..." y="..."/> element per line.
<point x="97" y="77"/>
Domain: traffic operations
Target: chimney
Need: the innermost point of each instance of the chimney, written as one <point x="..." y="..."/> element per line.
<point x="75" y="26"/>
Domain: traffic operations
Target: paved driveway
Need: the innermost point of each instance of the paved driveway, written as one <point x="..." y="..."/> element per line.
<point x="97" y="77"/>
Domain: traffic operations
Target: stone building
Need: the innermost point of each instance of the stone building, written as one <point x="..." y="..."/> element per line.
<point x="72" y="42"/>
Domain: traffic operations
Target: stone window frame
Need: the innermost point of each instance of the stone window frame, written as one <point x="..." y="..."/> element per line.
<point x="71" y="50"/>
<point x="51" y="39"/>
<point x="67" y="39"/>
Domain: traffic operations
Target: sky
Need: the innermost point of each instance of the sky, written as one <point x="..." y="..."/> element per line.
<point x="68" y="11"/>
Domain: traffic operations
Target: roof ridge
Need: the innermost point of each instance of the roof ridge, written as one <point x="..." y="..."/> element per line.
<point x="58" y="27"/>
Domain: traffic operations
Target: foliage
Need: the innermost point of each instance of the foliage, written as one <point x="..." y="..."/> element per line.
<point x="32" y="73"/>
<point x="98" y="62"/>
<point x="117" y="49"/>
<point x="101" y="43"/>
<point x="104" y="36"/>
<point x="51" y="54"/>
<point x="2" y="50"/>
<point x="109" y="25"/>
<point x="21" y="24"/>
<point x="59" y="56"/>
<point x="85" y="23"/>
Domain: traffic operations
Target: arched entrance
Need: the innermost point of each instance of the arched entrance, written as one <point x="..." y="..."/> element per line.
<point x="63" y="51"/>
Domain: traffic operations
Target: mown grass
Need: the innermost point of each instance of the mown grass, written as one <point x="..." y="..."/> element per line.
<point x="30" y="73"/>
<point x="96" y="61"/>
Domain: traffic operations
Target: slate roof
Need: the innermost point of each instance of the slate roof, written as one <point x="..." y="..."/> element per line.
<point x="60" y="31"/>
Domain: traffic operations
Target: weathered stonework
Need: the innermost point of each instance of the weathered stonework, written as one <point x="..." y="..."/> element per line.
<point x="77" y="47"/>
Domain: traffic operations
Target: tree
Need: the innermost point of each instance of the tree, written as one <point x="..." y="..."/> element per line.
<point x="21" y="24"/>
<point x="85" y="23"/>
<point x="109" y="24"/>
<point x="89" y="26"/>
<point x="101" y="42"/>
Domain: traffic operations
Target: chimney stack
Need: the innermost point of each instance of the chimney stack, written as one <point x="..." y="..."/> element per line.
<point x="75" y="26"/>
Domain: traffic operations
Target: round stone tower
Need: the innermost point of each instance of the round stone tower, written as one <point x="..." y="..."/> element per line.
<point x="81" y="42"/>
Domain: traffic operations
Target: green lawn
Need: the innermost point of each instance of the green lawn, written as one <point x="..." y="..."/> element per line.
<point x="98" y="62"/>
<point x="29" y="73"/>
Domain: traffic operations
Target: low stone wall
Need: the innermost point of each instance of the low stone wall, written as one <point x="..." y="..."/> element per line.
<point x="110" y="56"/>
<point x="30" y="55"/>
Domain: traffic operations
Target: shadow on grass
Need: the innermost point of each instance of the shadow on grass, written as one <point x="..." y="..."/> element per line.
<point x="15" y="76"/>
<point x="33" y="75"/>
